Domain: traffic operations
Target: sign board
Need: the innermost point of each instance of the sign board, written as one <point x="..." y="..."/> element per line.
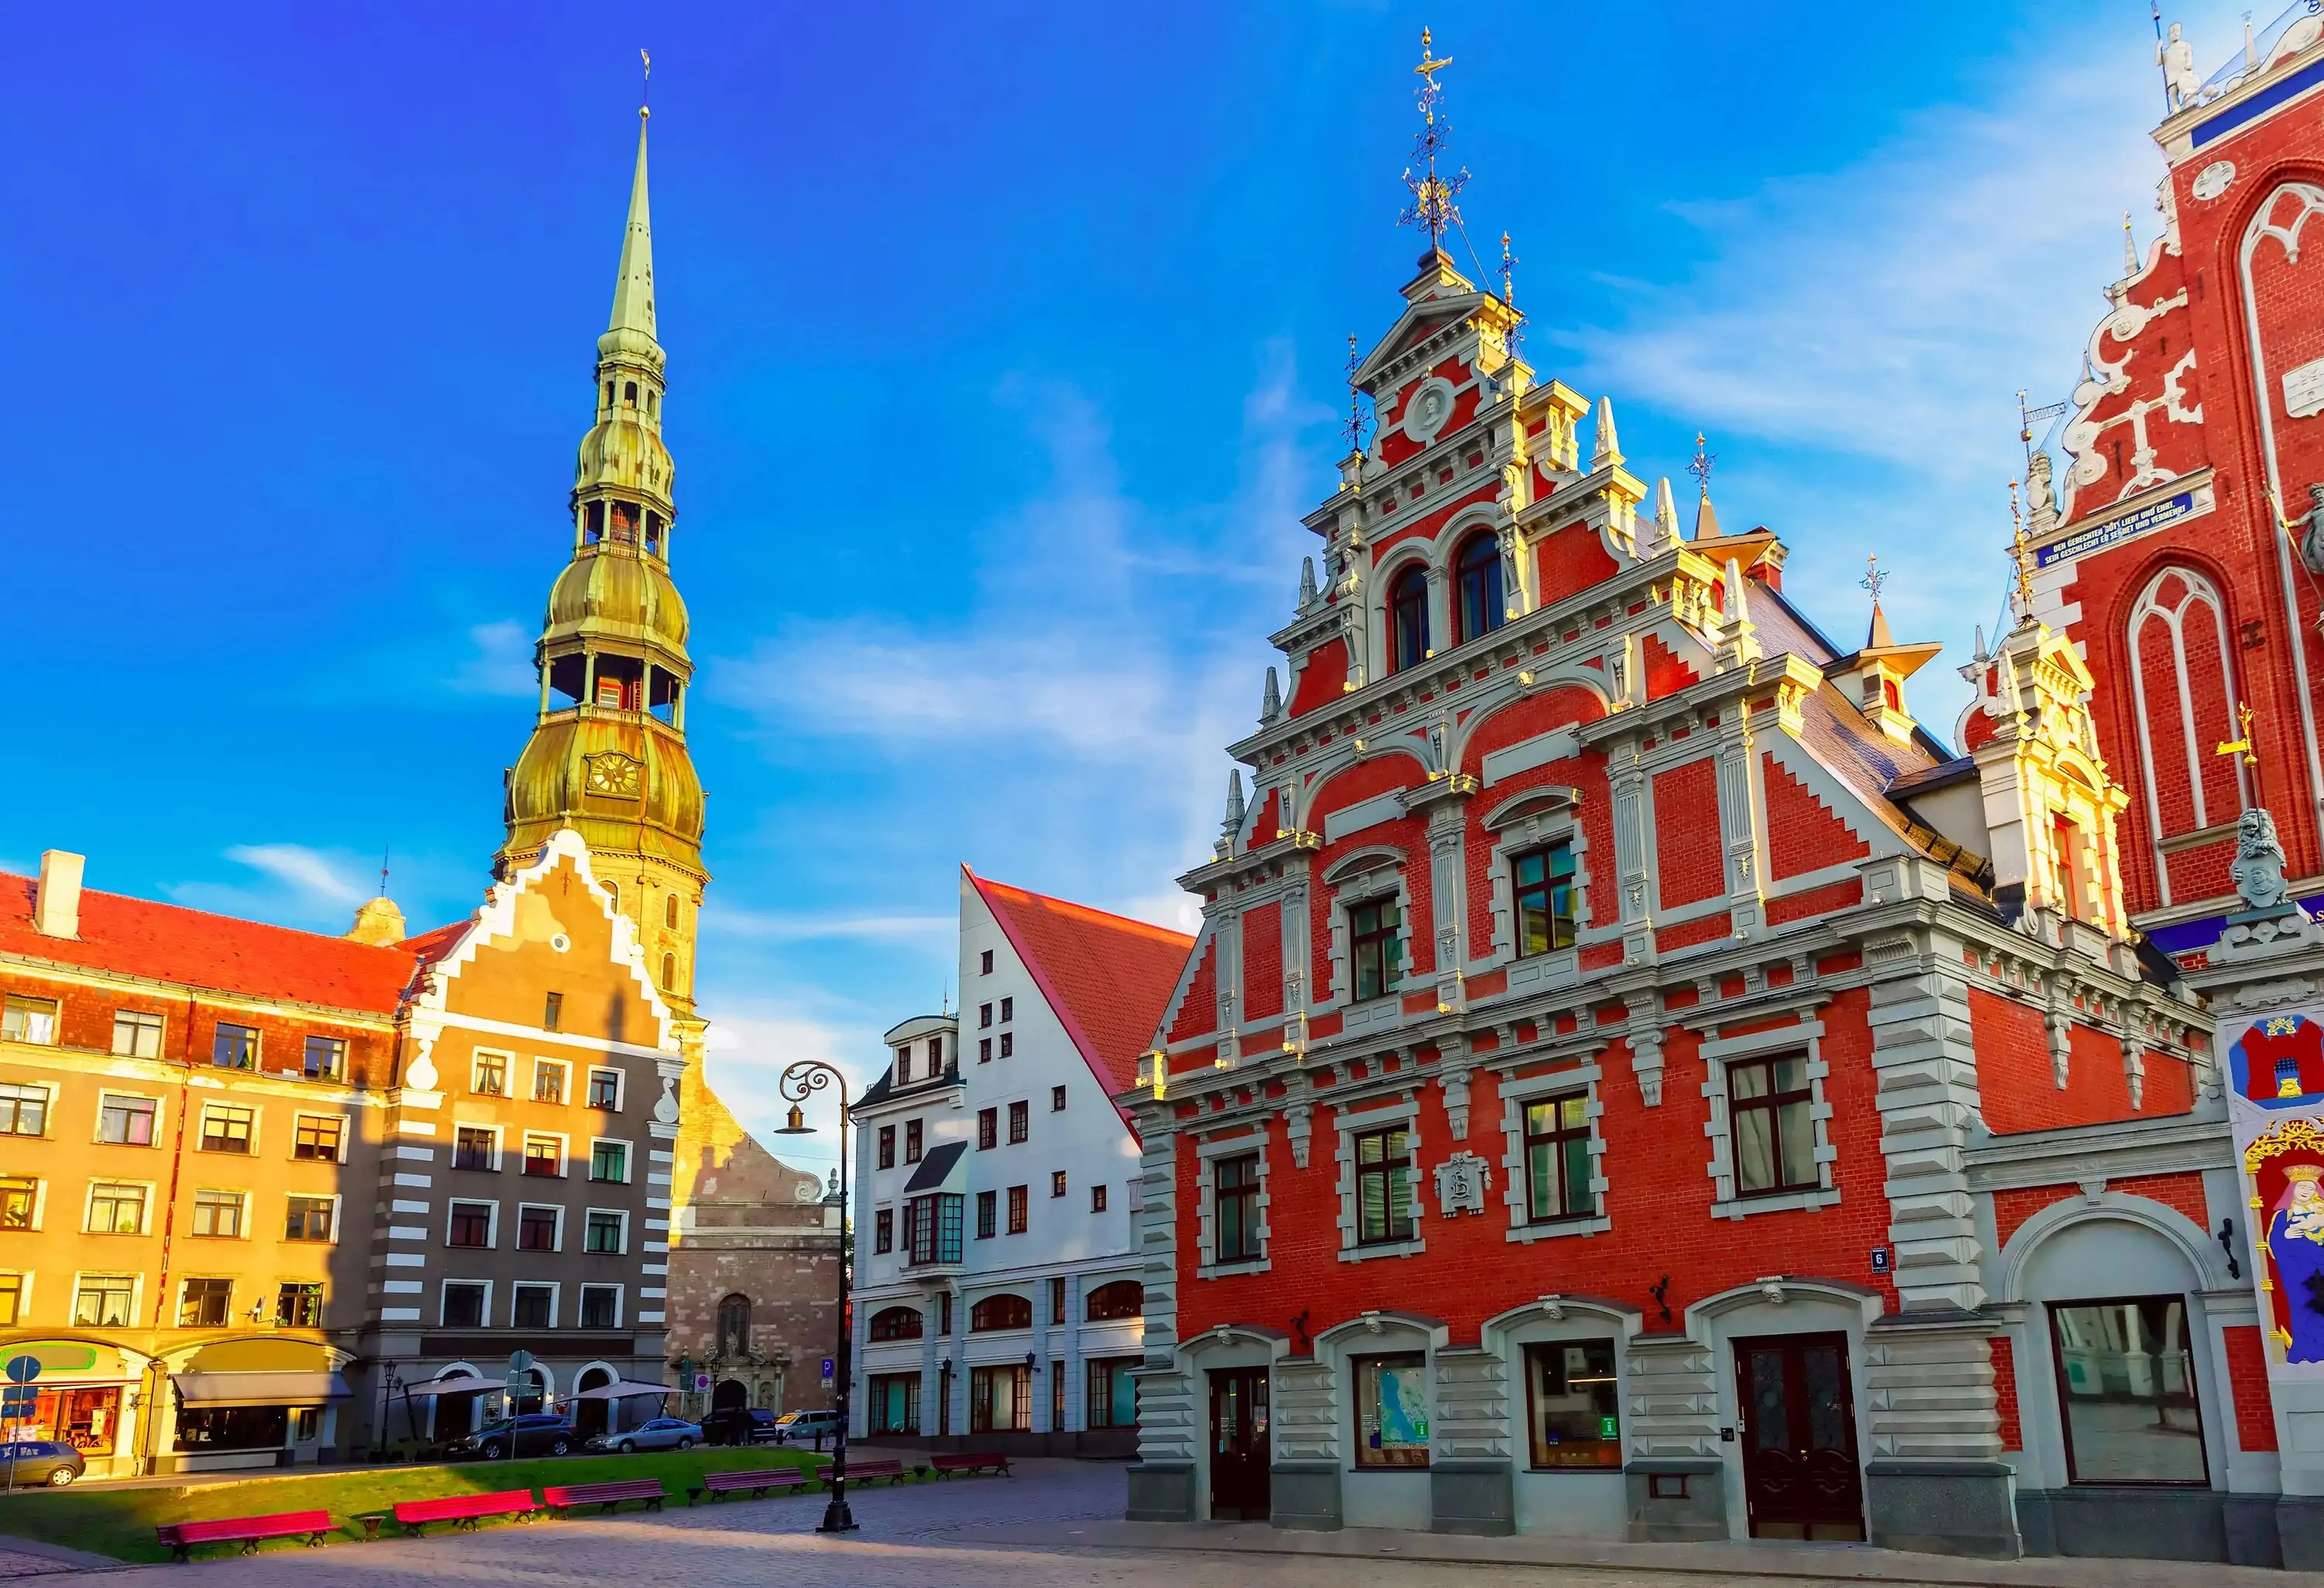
<point x="701" y="1383"/>
<point x="18" y="1397"/>
<point x="828" y="1370"/>
<point x="2145" y="520"/>
<point x="23" y="1370"/>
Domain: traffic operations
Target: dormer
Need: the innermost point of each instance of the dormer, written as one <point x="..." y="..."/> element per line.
<point x="1873" y="677"/>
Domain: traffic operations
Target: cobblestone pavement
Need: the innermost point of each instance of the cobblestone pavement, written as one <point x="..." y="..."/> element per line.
<point x="16" y="1564"/>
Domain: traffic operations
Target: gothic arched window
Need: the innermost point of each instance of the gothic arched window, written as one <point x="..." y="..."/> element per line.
<point x="2183" y="680"/>
<point x="735" y="1326"/>
<point x="1478" y="569"/>
<point x="1407" y="619"/>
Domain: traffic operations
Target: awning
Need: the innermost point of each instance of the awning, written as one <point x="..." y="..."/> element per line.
<point x="624" y="1389"/>
<point x="260" y="1389"/>
<point x="455" y="1384"/>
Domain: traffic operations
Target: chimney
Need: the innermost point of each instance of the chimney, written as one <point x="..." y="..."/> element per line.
<point x="56" y="906"/>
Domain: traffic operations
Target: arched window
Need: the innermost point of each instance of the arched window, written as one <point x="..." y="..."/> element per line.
<point x="896" y="1323"/>
<point x="670" y="973"/>
<point x="630" y="393"/>
<point x="1478" y="570"/>
<point x="1407" y="619"/>
<point x="1000" y="1312"/>
<point x="735" y="1326"/>
<point x="2183" y="681"/>
<point x="670" y="911"/>
<point x="1124" y="1298"/>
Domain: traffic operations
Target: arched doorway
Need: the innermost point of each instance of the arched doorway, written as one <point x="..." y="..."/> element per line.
<point x="592" y="1417"/>
<point x="732" y="1395"/>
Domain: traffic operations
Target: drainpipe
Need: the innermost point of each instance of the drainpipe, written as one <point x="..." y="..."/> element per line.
<point x="156" y="1377"/>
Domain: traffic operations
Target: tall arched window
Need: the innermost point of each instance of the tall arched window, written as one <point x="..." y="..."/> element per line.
<point x="2182" y="681"/>
<point x="735" y="1326"/>
<point x="669" y="909"/>
<point x="670" y="973"/>
<point x="1407" y="619"/>
<point x="1478" y="572"/>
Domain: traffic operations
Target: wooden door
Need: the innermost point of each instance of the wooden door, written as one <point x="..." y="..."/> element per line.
<point x="1800" y="1477"/>
<point x="1239" y="1446"/>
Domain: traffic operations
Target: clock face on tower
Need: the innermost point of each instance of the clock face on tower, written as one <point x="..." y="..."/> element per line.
<point x="615" y="775"/>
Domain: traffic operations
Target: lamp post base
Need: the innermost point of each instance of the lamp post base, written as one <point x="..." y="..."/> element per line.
<point x="836" y="1517"/>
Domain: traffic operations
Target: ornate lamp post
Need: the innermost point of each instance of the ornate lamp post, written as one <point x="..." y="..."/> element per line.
<point x="800" y="1082"/>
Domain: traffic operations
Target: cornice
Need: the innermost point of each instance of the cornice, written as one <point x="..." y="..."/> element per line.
<point x="2075" y="1153"/>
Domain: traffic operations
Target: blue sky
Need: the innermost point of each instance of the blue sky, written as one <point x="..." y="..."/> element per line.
<point x="1005" y="349"/>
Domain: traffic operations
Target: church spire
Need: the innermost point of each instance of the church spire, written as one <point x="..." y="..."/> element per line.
<point x="633" y="296"/>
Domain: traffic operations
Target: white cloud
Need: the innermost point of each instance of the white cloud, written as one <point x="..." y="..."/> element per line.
<point x="500" y="662"/>
<point x="748" y="1047"/>
<point x="777" y="926"/>
<point x="310" y="873"/>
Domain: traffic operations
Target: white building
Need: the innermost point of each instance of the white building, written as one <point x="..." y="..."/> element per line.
<point x="998" y="1292"/>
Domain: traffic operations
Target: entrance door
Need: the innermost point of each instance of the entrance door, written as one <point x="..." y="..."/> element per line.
<point x="1801" y="1478"/>
<point x="1239" y="1448"/>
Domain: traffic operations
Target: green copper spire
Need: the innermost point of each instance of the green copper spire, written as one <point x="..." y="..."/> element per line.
<point x="633" y="298"/>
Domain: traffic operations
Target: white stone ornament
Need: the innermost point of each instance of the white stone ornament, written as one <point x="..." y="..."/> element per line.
<point x="1460" y="1183"/>
<point x="2213" y="179"/>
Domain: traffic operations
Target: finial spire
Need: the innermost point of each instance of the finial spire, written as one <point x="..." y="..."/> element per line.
<point x="1878" y="637"/>
<point x="1606" y="451"/>
<point x="1270" y="700"/>
<point x="1353" y="429"/>
<point x="1431" y="209"/>
<point x="1667" y="533"/>
<point x="634" y="292"/>
<point x="1706" y="517"/>
<point x="2129" y="249"/>
<point x="2021" y="554"/>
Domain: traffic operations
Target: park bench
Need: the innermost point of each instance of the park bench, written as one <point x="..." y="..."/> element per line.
<point x="605" y="1497"/>
<point x="462" y="1509"/>
<point x="757" y="1483"/>
<point x="970" y="1461"/>
<point x="246" y="1531"/>
<point x="865" y="1472"/>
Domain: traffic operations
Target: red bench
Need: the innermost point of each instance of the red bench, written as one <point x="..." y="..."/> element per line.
<point x="865" y="1472"/>
<point x="756" y="1483"/>
<point x="970" y="1461"/>
<point x="246" y="1531"/>
<point x="464" y="1509"/>
<point x="604" y="1496"/>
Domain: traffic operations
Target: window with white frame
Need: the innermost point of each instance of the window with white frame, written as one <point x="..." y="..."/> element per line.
<point x="15" y="1297"/>
<point x="533" y="1306"/>
<point x="489" y="1073"/>
<point x="1770" y="1137"/>
<point x="117" y="1207"/>
<point x="19" y="1202"/>
<point x="465" y="1303"/>
<point x="104" y="1301"/>
<point x="136" y="1034"/>
<point x="219" y="1213"/>
<point x="605" y="1088"/>
<point x="537" y="1227"/>
<point x="24" y="1109"/>
<point x="550" y="1079"/>
<point x="125" y="1121"/>
<point x="605" y="1231"/>
<point x="476" y="1147"/>
<point x="470" y="1224"/>
<point x="1233" y="1202"/>
<point x="28" y="1020"/>
<point x="601" y="1307"/>
<point x="609" y="1161"/>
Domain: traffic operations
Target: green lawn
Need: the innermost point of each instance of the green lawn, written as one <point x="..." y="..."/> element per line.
<point x="120" y="1522"/>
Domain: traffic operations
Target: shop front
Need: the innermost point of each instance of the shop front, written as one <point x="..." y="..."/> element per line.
<point x="252" y="1403"/>
<point x="86" y="1397"/>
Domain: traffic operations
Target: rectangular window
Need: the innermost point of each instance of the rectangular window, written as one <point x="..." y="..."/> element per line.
<point x="601" y="1307"/>
<point x="1097" y="1197"/>
<point x="536" y="1229"/>
<point x="235" y="1047"/>
<point x="1384" y="1187"/>
<point x="125" y="1121"/>
<point x="1391" y="1410"/>
<point x="604" y="1232"/>
<point x="227" y="1128"/>
<point x="1020" y="1122"/>
<point x="205" y="1304"/>
<point x="904" y="1064"/>
<point x="1542" y="892"/>
<point x="911" y="1141"/>
<point x="935" y="1056"/>
<point x="136" y="1034"/>
<point x="218" y="1214"/>
<point x="1058" y="1298"/>
<point x="24" y="1109"/>
<point x="548" y="1077"/>
<point x="463" y="1304"/>
<point x="606" y="1089"/>
<point x="883" y="1230"/>
<point x="318" y="1137"/>
<point x="1001" y="1399"/>
<point x="104" y="1301"/>
<point x="1234" y="1207"/>
<point x="2126" y="1385"/>
<point x="326" y="1058"/>
<point x="988" y="1214"/>
<point x="552" y="1009"/>
<point x="1557" y="1158"/>
<point x="471" y="1224"/>
<point x="984" y="1050"/>
<point x="984" y="963"/>
<point x="1056" y="1100"/>
<point x="1007" y="1044"/>
<point x="28" y="1020"/>
<point x="1574" y="1414"/>
<point x="298" y="1307"/>
<point x="12" y="1299"/>
<point x="488" y="1077"/>
<point x="533" y="1306"/>
<point x="1018" y="1209"/>
<point x="944" y="1315"/>
<point x="1768" y="1104"/>
<point x="1058" y="1182"/>
<point x="1376" y="951"/>
<point x="116" y="1210"/>
<point x="20" y="1198"/>
<point x="610" y="1160"/>
<point x="309" y="1218"/>
<point x="932" y="1232"/>
<point x="887" y="1147"/>
<point x="984" y="1014"/>
<point x="1008" y="1009"/>
<point x="544" y="1156"/>
<point x="1111" y="1397"/>
<point x="988" y="1129"/>
<point x="473" y="1147"/>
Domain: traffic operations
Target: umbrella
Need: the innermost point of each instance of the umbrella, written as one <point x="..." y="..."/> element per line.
<point x="624" y="1389"/>
<point x="455" y="1384"/>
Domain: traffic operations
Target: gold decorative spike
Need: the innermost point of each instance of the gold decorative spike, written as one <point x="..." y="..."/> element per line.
<point x="646" y="91"/>
<point x="1430" y="66"/>
<point x="2241" y="746"/>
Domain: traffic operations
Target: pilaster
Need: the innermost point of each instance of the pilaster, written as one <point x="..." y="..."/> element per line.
<point x="1926" y="1068"/>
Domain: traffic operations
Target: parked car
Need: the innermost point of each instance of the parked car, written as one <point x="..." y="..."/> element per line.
<point x="804" y="1428"/>
<point x="662" y="1434"/>
<point x="534" y="1434"/>
<point x="40" y="1461"/>
<point x="739" y="1425"/>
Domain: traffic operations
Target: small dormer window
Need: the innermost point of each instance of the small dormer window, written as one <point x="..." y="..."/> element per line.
<point x="904" y="1064"/>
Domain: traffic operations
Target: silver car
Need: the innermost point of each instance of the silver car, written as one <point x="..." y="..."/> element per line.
<point x="662" y="1434"/>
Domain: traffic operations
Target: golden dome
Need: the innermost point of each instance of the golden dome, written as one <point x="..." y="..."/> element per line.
<point x="622" y="779"/>
<point x="614" y="591"/>
<point x="619" y="451"/>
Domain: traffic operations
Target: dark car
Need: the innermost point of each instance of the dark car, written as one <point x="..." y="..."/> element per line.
<point x="739" y="1425"/>
<point x="534" y="1434"/>
<point x="39" y="1461"/>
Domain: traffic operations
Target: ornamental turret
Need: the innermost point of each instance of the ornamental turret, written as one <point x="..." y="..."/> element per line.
<point x="608" y="755"/>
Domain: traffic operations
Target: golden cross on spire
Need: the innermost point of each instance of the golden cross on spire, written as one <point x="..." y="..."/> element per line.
<point x="2242" y="746"/>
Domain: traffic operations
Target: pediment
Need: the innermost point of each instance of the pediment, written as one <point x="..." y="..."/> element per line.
<point x="1416" y="323"/>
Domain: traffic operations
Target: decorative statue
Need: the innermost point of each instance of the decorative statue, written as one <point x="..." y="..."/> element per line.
<point x="2311" y="539"/>
<point x="2177" y="60"/>
<point x="2041" y="500"/>
<point x="2258" y="870"/>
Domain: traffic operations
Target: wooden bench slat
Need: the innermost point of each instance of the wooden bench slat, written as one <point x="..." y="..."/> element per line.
<point x="182" y="1536"/>
<point x="414" y="1515"/>
<point x="605" y="1496"/>
<point x="756" y="1482"/>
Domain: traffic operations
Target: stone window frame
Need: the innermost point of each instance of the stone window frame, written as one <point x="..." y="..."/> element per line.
<point x="1515" y="1094"/>
<point x="1534" y="819"/>
<point x="1351" y="1121"/>
<point x="88" y="1203"/>
<point x="1207" y="1152"/>
<point x="556" y="1225"/>
<point x="621" y="1299"/>
<point x="492" y="1222"/>
<point x="1715" y="1052"/>
<point x="1356" y="878"/>
<point x="556" y="1289"/>
<point x="564" y="1067"/>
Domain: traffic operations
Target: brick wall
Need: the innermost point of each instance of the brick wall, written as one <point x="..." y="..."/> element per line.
<point x="1690" y="859"/>
<point x="1262" y="961"/>
<point x="2005" y="1389"/>
<point x="2247" y="1380"/>
<point x="2183" y="1192"/>
<point x="1802" y="833"/>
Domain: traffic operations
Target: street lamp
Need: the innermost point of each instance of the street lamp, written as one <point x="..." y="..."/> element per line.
<point x="800" y="1082"/>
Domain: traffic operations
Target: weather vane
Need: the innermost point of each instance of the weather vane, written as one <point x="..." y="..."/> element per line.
<point x="1353" y="429"/>
<point x="1509" y="262"/>
<point x="646" y="91"/>
<point x="1431" y="209"/>
<point x="1875" y="579"/>
<point x="1701" y="466"/>
<point x="2241" y="746"/>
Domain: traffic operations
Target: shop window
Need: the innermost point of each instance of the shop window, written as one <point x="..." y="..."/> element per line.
<point x="227" y="1128"/>
<point x="326" y="1058"/>
<point x="306" y="1424"/>
<point x="1110" y="1398"/>
<point x="1020" y="1122"/>
<point x="1574" y="1412"/>
<point x="601" y="1307"/>
<point x="1018" y="1209"/>
<point x="136" y="1034"/>
<point x="24" y="1109"/>
<point x="2126" y="1388"/>
<point x="28" y="1020"/>
<point x="463" y="1304"/>
<point x="896" y="1323"/>
<point x="605" y="1231"/>
<point x="125" y="1121"/>
<point x="1004" y="1311"/>
<point x="1001" y="1399"/>
<point x="1557" y="1158"/>
<point x="20" y="1200"/>
<point x="235" y="1047"/>
<point x="533" y="1306"/>
<point x="1407" y="619"/>
<point x="116" y="1209"/>
<point x="1391" y="1410"/>
<point x="1384" y="1211"/>
<point x="298" y="1307"/>
<point x="489" y="1075"/>
<point x="1234" y="1207"/>
<point x="536" y="1229"/>
<point x="318" y="1137"/>
<point x="1119" y="1299"/>
<point x="895" y="1403"/>
<point x="218" y="1214"/>
<point x="1374" y="946"/>
<point x="1478" y="570"/>
<point x="309" y="1218"/>
<point x="233" y="1427"/>
<point x="1769" y="1110"/>
<point x="104" y="1301"/>
<point x="205" y="1304"/>
<point x="476" y="1147"/>
<point x="90" y="1420"/>
<point x="1542" y="893"/>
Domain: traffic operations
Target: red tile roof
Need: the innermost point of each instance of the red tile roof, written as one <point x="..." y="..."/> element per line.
<point x="212" y="953"/>
<point x="1107" y="977"/>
